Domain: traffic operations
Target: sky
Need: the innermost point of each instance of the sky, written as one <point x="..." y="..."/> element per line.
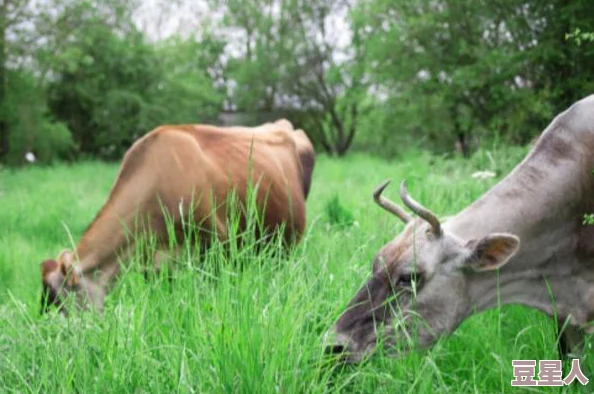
<point x="161" y="18"/>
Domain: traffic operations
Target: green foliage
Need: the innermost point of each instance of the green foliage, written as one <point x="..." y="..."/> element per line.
<point x="99" y="89"/>
<point x="579" y="36"/>
<point x="381" y="76"/>
<point x="470" y="71"/>
<point x="337" y="214"/>
<point x="112" y="88"/>
<point x="101" y="79"/>
<point x="32" y="128"/>
<point x="292" y="63"/>
<point x="441" y="75"/>
<point x="186" y="91"/>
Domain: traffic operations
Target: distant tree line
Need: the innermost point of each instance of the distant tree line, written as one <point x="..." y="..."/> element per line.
<point x="80" y="78"/>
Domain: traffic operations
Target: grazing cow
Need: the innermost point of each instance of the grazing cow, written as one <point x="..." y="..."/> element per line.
<point x="176" y="171"/>
<point x="529" y="227"/>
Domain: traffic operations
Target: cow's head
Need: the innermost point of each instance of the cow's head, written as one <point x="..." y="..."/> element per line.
<point x="418" y="290"/>
<point x="59" y="280"/>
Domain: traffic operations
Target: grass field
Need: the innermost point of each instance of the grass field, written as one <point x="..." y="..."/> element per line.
<point x="258" y="330"/>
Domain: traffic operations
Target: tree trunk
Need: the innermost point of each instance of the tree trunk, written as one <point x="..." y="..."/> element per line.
<point x="462" y="144"/>
<point x="461" y="136"/>
<point x="345" y="145"/>
<point x="3" y="125"/>
<point x="323" y="138"/>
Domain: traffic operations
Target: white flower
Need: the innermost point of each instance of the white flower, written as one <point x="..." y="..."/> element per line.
<point x="30" y="157"/>
<point x="483" y="174"/>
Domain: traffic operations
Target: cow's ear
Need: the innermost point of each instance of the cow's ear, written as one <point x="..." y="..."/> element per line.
<point x="491" y="252"/>
<point x="66" y="260"/>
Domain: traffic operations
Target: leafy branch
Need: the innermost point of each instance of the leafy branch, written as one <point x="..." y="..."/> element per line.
<point x="580" y="36"/>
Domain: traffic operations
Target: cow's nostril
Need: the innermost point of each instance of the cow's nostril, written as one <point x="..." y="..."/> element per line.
<point x="336" y="343"/>
<point x="335" y="349"/>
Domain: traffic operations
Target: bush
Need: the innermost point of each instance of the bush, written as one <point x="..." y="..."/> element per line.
<point x="113" y="88"/>
<point x="337" y="214"/>
<point x="30" y="125"/>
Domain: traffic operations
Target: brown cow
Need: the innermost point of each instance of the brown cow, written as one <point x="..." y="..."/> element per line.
<point x="181" y="170"/>
<point x="529" y="227"/>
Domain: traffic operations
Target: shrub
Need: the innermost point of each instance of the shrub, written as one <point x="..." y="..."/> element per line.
<point x="337" y="214"/>
<point x="30" y="125"/>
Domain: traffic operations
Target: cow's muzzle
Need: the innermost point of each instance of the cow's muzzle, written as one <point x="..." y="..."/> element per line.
<point x="341" y="346"/>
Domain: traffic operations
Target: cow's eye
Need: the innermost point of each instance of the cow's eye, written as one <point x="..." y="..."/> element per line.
<point x="405" y="280"/>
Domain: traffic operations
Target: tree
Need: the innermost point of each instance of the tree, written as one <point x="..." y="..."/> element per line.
<point x="3" y="124"/>
<point x="25" y="121"/>
<point x="12" y="15"/>
<point x="189" y="90"/>
<point x="564" y="69"/>
<point x="78" y="76"/>
<point x="458" y="70"/>
<point x="110" y="85"/>
<point x="318" y="78"/>
<point x="285" y="56"/>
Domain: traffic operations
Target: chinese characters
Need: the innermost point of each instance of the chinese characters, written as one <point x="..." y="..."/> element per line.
<point x="549" y="374"/>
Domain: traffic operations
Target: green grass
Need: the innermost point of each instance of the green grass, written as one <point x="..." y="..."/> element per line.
<point x="258" y="330"/>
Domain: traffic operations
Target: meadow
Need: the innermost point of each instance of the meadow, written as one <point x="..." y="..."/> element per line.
<point x="257" y="329"/>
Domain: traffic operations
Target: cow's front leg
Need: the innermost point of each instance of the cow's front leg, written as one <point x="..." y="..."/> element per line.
<point x="571" y="342"/>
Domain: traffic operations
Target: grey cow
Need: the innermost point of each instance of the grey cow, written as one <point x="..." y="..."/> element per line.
<point x="529" y="226"/>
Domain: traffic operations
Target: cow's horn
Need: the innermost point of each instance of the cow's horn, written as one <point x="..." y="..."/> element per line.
<point x="388" y="205"/>
<point x="420" y="210"/>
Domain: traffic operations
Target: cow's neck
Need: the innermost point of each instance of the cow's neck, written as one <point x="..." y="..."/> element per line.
<point x="542" y="203"/>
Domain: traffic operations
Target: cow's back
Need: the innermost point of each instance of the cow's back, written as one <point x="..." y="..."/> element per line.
<point x="204" y="164"/>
